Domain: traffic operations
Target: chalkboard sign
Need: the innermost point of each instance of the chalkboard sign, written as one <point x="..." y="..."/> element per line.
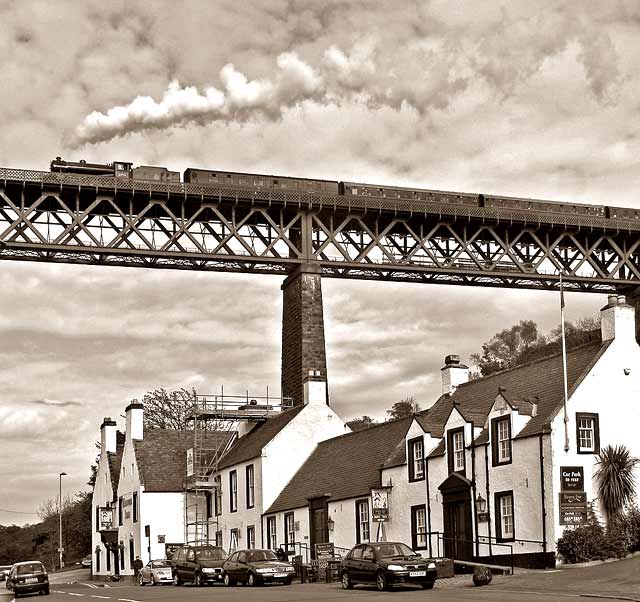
<point x="571" y="478"/>
<point x="324" y="551"/>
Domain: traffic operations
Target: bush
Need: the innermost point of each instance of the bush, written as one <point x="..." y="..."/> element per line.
<point x="592" y="542"/>
<point x="629" y="523"/>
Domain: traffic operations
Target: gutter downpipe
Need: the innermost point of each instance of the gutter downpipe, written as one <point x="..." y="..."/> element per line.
<point x="486" y="468"/>
<point x="426" y="478"/>
<point x="543" y="495"/>
<point x="473" y="486"/>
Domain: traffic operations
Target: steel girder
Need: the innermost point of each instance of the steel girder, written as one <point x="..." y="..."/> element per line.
<point x="233" y="231"/>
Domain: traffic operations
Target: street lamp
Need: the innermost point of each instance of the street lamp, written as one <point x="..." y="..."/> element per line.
<point x="60" y="548"/>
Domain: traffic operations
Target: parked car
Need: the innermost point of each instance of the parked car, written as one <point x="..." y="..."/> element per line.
<point x="156" y="572"/>
<point x="386" y="564"/>
<point x="87" y="561"/>
<point x="28" y="578"/>
<point x="199" y="564"/>
<point x="256" y="567"/>
<point x="4" y="571"/>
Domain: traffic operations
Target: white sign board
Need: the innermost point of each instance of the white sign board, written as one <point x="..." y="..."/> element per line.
<point x="190" y="462"/>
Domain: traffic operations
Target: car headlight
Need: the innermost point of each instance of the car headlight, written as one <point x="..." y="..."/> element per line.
<point x="208" y="570"/>
<point x="396" y="567"/>
<point x="263" y="570"/>
<point x="431" y="565"/>
<point x="290" y="569"/>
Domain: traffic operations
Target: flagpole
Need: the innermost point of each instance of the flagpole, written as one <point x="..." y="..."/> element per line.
<point x="564" y="368"/>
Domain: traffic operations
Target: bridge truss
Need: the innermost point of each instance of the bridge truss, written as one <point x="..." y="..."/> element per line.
<point x="110" y="221"/>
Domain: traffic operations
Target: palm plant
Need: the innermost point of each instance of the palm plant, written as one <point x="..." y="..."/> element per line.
<point x="615" y="479"/>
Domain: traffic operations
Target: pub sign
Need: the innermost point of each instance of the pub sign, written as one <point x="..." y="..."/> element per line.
<point x="106" y="518"/>
<point x="380" y="505"/>
<point x="571" y="478"/>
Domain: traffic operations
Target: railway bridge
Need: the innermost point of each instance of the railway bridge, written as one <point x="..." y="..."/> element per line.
<point x="98" y="220"/>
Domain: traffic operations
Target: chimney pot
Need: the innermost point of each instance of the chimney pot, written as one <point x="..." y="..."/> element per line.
<point x="621" y="299"/>
<point x="451" y="360"/>
<point x="612" y="300"/>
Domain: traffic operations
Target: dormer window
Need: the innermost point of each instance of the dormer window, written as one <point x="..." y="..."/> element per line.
<point x="501" y="440"/>
<point x="416" y="459"/>
<point x="587" y="433"/>
<point x="455" y="448"/>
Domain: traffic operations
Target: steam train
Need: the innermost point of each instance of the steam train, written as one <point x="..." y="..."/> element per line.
<point x="121" y="169"/>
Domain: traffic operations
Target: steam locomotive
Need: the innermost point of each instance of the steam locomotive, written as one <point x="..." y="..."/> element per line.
<point x="121" y="169"/>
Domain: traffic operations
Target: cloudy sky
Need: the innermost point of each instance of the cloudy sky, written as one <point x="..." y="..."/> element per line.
<point x="520" y="98"/>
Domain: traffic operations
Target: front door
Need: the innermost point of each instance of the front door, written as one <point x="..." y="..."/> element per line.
<point x="319" y="532"/>
<point x="458" y="532"/>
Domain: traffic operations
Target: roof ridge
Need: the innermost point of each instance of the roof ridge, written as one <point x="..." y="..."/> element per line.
<point x="532" y="362"/>
<point x="369" y="428"/>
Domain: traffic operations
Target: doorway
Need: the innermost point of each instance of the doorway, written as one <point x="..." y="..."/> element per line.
<point x="318" y="514"/>
<point x="458" y="522"/>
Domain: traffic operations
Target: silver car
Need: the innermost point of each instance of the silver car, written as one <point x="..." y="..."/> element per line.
<point x="156" y="572"/>
<point x="4" y="571"/>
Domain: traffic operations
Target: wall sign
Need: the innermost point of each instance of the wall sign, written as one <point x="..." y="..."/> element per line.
<point x="190" y="462"/>
<point x="380" y="505"/>
<point x="573" y="516"/>
<point x="573" y="499"/>
<point x="324" y="551"/>
<point x="571" y="478"/>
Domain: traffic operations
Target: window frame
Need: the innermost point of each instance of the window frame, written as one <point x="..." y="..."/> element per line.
<point x="412" y="444"/>
<point x="272" y="526"/>
<point x="250" y="486"/>
<point x="498" y="496"/>
<point x="596" y="432"/>
<point x="233" y="491"/>
<point x="235" y="531"/>
<point x="251" y="541"/>
<point x="217" y="502"/>
<point x="362" y="503"/>
<point x="451" y="433"/>
<point x="414" y="527"/>
<point x="495" y="440"/>
<point x="134" y="504"/>
<point x="289" y="521"/>
<point x="120" y="511"/>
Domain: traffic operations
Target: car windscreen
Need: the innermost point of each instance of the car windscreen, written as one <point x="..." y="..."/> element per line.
<point x="388" y="550"/>
<point x="160" y="564"/>
<point x="28" y="569"/>
<point x="211" y="554"/>
<point x="260" y="555"/>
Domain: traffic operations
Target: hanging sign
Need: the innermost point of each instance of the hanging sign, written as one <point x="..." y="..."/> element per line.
<point x="571" y="478"/>
<point x="106" y="518"/>
<point x="380" y="505"/>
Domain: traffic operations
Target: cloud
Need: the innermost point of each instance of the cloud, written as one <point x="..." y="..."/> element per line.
<point x="53" y="402"/>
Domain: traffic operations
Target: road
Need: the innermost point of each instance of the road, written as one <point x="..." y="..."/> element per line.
<point x="619" y="580"/>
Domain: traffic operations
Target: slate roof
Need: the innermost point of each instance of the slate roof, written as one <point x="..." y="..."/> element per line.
<point x="250" y="445"/>
<point x="541" y="378"/>
<point x="345" y="467"/>
<point x="162" y="456"/>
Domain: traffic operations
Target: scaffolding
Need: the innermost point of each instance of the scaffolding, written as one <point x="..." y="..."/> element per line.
<point x="216" y="420"/>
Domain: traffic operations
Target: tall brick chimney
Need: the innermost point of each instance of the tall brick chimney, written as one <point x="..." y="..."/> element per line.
<point x="303" y="348"/>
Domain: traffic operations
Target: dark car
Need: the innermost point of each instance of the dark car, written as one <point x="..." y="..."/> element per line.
<point x="198" y="564"/>
<point x="28" y="578"/>
<point x="256" y="567"/>
<point x="386" y="564"/>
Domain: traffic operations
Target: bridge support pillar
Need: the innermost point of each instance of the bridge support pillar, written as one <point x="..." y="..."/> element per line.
<point x="633" y="299"/>
<point x="303" y="348"/>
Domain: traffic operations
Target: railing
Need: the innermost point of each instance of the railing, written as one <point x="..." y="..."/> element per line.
<point x="238" y="406"/>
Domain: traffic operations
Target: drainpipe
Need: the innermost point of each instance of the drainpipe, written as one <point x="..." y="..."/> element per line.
<point x="486" y="468"/>
<point x="543" y="495"/>
<point x="426" y="480"/>
<point x="473" y="487"/>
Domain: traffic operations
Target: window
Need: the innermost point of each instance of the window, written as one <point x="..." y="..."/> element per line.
<point x="272" y="536"/>
<point x="455" y="447"/>
<point x="362" y="520"/>
<point x="250" y="486"/>
<point x="587" y="433"/>
<point x="98" y="560"/>
<point x="120" y="511"/>
<point x="419" y="527"/>
<point x="208" y="504"/>
<point x="134" y="504"/>
<point x="218" y="538"/>
<point x="218" y="496"/>
<point x="501" y="440"/>
<point x="233" y="491"/>
<point x="289" y="531"/>
<point x="505" y="528"/>
<point x="233" y="540"/>
<point x="251" y="537"/>
<point x="416" y="459"/>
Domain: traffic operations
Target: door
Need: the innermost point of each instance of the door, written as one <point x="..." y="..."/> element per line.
<point x="369" y="566"/>
<point x="319" y="532"/>
<point x="458" y="531"/>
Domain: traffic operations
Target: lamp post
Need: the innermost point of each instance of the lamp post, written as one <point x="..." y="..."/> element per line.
<point x="60" y="548"/>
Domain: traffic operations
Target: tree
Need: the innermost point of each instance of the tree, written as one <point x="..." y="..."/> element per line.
<point x="359" y="424"/>
<point x="168" y="409"/>
<point x="615" y="479"/>
<point x="403" y="408"/>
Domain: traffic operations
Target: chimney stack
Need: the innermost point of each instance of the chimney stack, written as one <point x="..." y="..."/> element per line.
<point x="108" y="436"/>
<point x="453" y="373"/>
<point x="315" y="388"/>
<point x="617" y="319"/>
<point x="134" y="412"/>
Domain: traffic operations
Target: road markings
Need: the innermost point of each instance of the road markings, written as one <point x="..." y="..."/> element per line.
<point x="72" y="594"/>
<point x="104" y="597"/>
<point x="127" y="600"/>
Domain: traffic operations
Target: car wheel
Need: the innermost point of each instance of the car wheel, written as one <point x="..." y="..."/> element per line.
<point x="228" y="581"/>
<point x="140" y="579"/>
<point x="381" y="581"/>
<point x="346" y="580"/>
<point x="427" y="585"/>
<point x="288" y="581"/>
<point x="154" y="581"/>
<point x="197" y="580"/>
<point x="46" y="591"/>
<point x="252" y="580"/>
<point x="176" y="579"/>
